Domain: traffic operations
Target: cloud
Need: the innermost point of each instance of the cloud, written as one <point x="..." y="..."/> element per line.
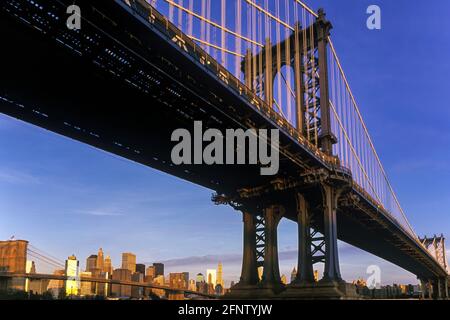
<point x="100" y="213"/>
<point x="17" y="177"/>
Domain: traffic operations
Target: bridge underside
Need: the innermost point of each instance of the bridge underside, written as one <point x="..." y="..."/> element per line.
<point x="93" y="98"/>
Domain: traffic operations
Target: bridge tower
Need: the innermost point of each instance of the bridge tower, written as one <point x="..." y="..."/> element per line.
<point x="305" y="51"/>
<point x="436" y="288"/>
<point x="315" y="201"/>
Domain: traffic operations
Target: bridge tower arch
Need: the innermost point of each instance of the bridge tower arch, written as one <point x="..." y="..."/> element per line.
<point x="306" y="52"/>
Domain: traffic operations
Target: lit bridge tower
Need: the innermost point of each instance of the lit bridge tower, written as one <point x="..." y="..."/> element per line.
<point x="316" y="194"/>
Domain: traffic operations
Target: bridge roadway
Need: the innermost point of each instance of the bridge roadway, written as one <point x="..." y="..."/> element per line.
<point x="167" y="289"/>
<point x="121" y="84"/>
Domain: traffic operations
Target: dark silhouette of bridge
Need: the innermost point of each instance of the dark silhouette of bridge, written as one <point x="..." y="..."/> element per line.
<point x="129" y="77"/>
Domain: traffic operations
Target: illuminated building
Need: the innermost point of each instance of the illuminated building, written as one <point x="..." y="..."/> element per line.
<point x="179" y="280"/>
<point x="151" y="273"/>
<point x="293" y="275"/>
<point x="100" y="261"/>
<point x="31" y="269"/>
<point x="13" y="258"/>
<point x="159" y="280"/>
<point x="119" y="290"/>
<point x="129" y="261"/>
<point x="220" y="275"/>
<point x="192" y="285"/>
<point x="260" y="272"/>
<point x="200" y="278"/>
<point x="86" y="287"/>
<point x="211" y="277"/>
<point x="91" y="263"/>
<point x="72" y="272"/>
<point x="283" y="279"/>
<point x="56" y="287"/>
<point x="316" y="275"/>
<point x="107" y="266"/>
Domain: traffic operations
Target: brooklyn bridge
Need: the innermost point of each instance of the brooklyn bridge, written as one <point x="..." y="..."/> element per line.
<point x="135" y="71"/>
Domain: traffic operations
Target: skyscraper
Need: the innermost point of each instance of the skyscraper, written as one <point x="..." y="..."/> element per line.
<point x="220" y="275"/>
<point x="129" y="261"/>
<point x="179" y="280"/>
<point x="72" y="272"/>
<point x="151" y="274"/>
<point x="200" y="278"/>
<point x="100" y="261"/>
<point x="91" y="263"/>
<point x="293" y="275"/>
<point x="119" y="290"/>
<point x="211" y="277"/>
<point x="107" y="266"/>
<point x="159" y="269"/>
<point x="140" y="268"/>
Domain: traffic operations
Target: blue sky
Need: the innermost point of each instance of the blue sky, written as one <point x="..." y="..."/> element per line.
<point x="65" y="197"/>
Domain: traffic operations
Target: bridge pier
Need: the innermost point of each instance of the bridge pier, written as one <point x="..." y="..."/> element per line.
<point x="271" y="281"/>
<point x="249" y="286"/>
<point x="248" y="282"/>
<point x="331" y="286"/>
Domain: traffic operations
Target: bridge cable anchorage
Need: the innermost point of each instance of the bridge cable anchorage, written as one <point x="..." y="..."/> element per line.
<point x="355" y="105"/>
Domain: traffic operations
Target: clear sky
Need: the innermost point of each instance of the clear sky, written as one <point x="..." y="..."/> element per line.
<point x="68" y="198"/>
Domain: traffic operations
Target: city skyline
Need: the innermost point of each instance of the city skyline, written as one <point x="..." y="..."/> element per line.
<point x="73" y="199"/>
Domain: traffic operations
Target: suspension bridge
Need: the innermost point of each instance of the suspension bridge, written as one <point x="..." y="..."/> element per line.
<point x="135" y="71"/>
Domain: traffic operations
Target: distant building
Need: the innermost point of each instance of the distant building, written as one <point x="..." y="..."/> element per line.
<point x="283" y="279"/>
<point x="91" y="263"/>
<point x="192" y="285"/>
<point x="86" y="287"/>
<point x="129" y="261"/>
<point x="260" y="272"/>
<point x="159" y="269"/>
<point x="119" y="290"/>
<point x="160" y="281"/>
<point x="179" y="280"/>
<point x="220" y="275"/>
<point x="30" y="269"/>
<point x="13" y="258"/>
<point x="211" y="277"/>
<point x="140" y="268"/>
<point x="137" y="292"/>
<point x="316" y="275"/>
<point x="100" y="260"/>
<point x="200" y="278"/>
<point x="107" y="267"/>
<point x="56" y="287"/>
<point x="293" y="275"/>
<point x="218" y="290"/>
<point x="72" y="286"/>
<point x="151" y="272"/>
